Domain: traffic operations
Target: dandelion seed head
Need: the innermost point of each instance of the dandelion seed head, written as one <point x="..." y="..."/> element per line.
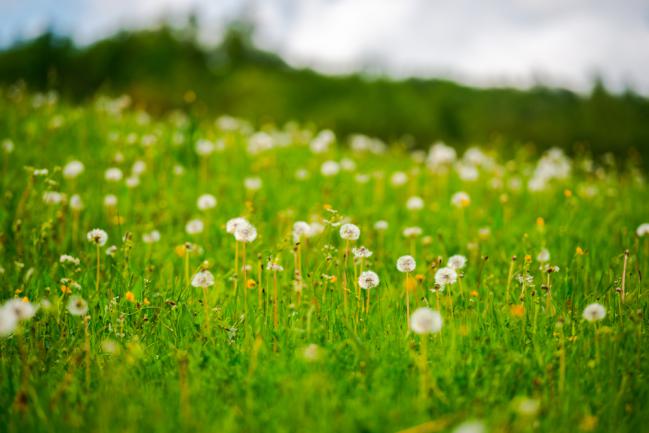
<point x="368" y="280"/>
<point x="329" y="168"/>
<point x="446" y="275"/>
<point x="425" y="321"/>
<point x="113" y="174"/>
<point x="594" y="312"/>
<point x="245" y="233"/>
<point x="415" y="203"/>
<point x="361" y="252"/>
<point x="350" y="232"/>
<point x="194" y="227"/>
<point x="456" y="262"/>
<point x="206" y="202"/>
<point x="97" y="237"/>
<point x="232" y="224"/>
<point x="77" y="306"/>
<point x="203" y="279"/>
<point x="460" y="199"/>
<point x="73" y="169"/>
<point x="406" y="264"/>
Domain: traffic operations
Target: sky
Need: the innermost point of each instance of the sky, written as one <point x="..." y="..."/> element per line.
<point x="565" y="43"/>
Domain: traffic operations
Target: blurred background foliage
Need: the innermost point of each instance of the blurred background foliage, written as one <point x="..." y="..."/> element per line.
<point x="165" y="69"/>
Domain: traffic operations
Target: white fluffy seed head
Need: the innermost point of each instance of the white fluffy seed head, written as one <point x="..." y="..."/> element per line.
<point x="425" y="321"/>
<point x="97" y="237"/>
<point x="206" y="201"/>
<point x="232" y="224"/>
<point x="245" y="233"/>
<point x="460" y="199"/>
<point x="203" y="279"/>
<point x="77" y="306"/>
<point x="594" y="312"/>
<point x="642" y="230"/>
<point x="406" y="264"/>
<point x="456" y="262"/>
<point x="350" y="232"/>
<point x="194" y="227"/>
<point x="445" y="276"/>
<point x="368" y="280"/>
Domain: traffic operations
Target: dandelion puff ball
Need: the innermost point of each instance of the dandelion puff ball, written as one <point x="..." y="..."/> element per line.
<point x="368" y="280"/>
<point x="406" y="264"/>
<point x="425" y="321"/>
<point x="642" y="230"/>
<point x="594" y="312"/>
<point x="194" y="227"/>
<point x="460" y="199"/>
<point x="98" y="237"/>
<point x="77" y="306"/>
<point x="445" y="276"/>
<point x="232" y="224"/>
<point x="203" y="279"/>
<point x="456" y="262"/>
<point x="350" y="232"/>
<point x="206" y="201"/>
<point x="245" y="233"/>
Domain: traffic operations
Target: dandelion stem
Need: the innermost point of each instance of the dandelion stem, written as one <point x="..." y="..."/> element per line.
<point x="98" y="269"/>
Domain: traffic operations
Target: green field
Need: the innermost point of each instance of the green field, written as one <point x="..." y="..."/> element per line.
<point x="298" y="345"/>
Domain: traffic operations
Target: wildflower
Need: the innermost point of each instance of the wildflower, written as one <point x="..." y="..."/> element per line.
<point x="113" y="174"/>
<point x="415" y="203"/>
<point x="194" y="227"/>
<point x="312" y="352"/>
<point x="322" y="141"/>
<point x="406" y="264"/>
<point x="97" y="237"/>
<point x="329" y="168"/>
<point x="76" y="203"/>
<point x="111" y="250"/>
<point x="203" y="279"/>
<point x="73" y="169"/>
<point x="132" y="181"/>
<point x="347" y="164"/>
<point x="301" y="174"/>
<point x="642" y="230"/>
<point x="272" y="266"/>
<point x="484" y="233"/>
<point x="470" y="427"/>
<point x="232" y="224"/>
<point x="425" y="321"/>
<point x="412" y="232"/>
<point x="315" y="228"/>
<point x="77" y="306"/>
<point x="579" y="251"/>
<point x="350" y="232"/>
<point x="543" y="256"/>
<point x="245" y="233"/>
<point x="445" y="276"/>
<point x="381" y="225"/>
<point x="204" y="147"/>
<point x="440" y="155"/>
<point x="129" y="296"/>
<point x="138" y="168"/>
<point x="456" y="262"/>
<point x="301" y="229"/>
<point x="110" y="200"/>
<point x="53" y="197"/>
<point x="252" y="183"/>
<point x="361" y="252"/>
<point x="8" y="146"/>
<point x="67" y="259"/>
<point x="22" y="309"/>
<point x="594" y="312"/>
<point x="8" y="321"/>
<point x="398" y="178"/>
<point x="151" y="237"/>
<point x="460" y="199"/>
<point x="368" y="280"/>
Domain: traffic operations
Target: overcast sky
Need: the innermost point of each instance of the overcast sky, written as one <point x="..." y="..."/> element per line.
<point x="484" y="42"/>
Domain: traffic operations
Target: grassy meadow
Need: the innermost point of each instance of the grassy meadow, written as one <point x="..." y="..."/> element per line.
<point x="174" y="317"/>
